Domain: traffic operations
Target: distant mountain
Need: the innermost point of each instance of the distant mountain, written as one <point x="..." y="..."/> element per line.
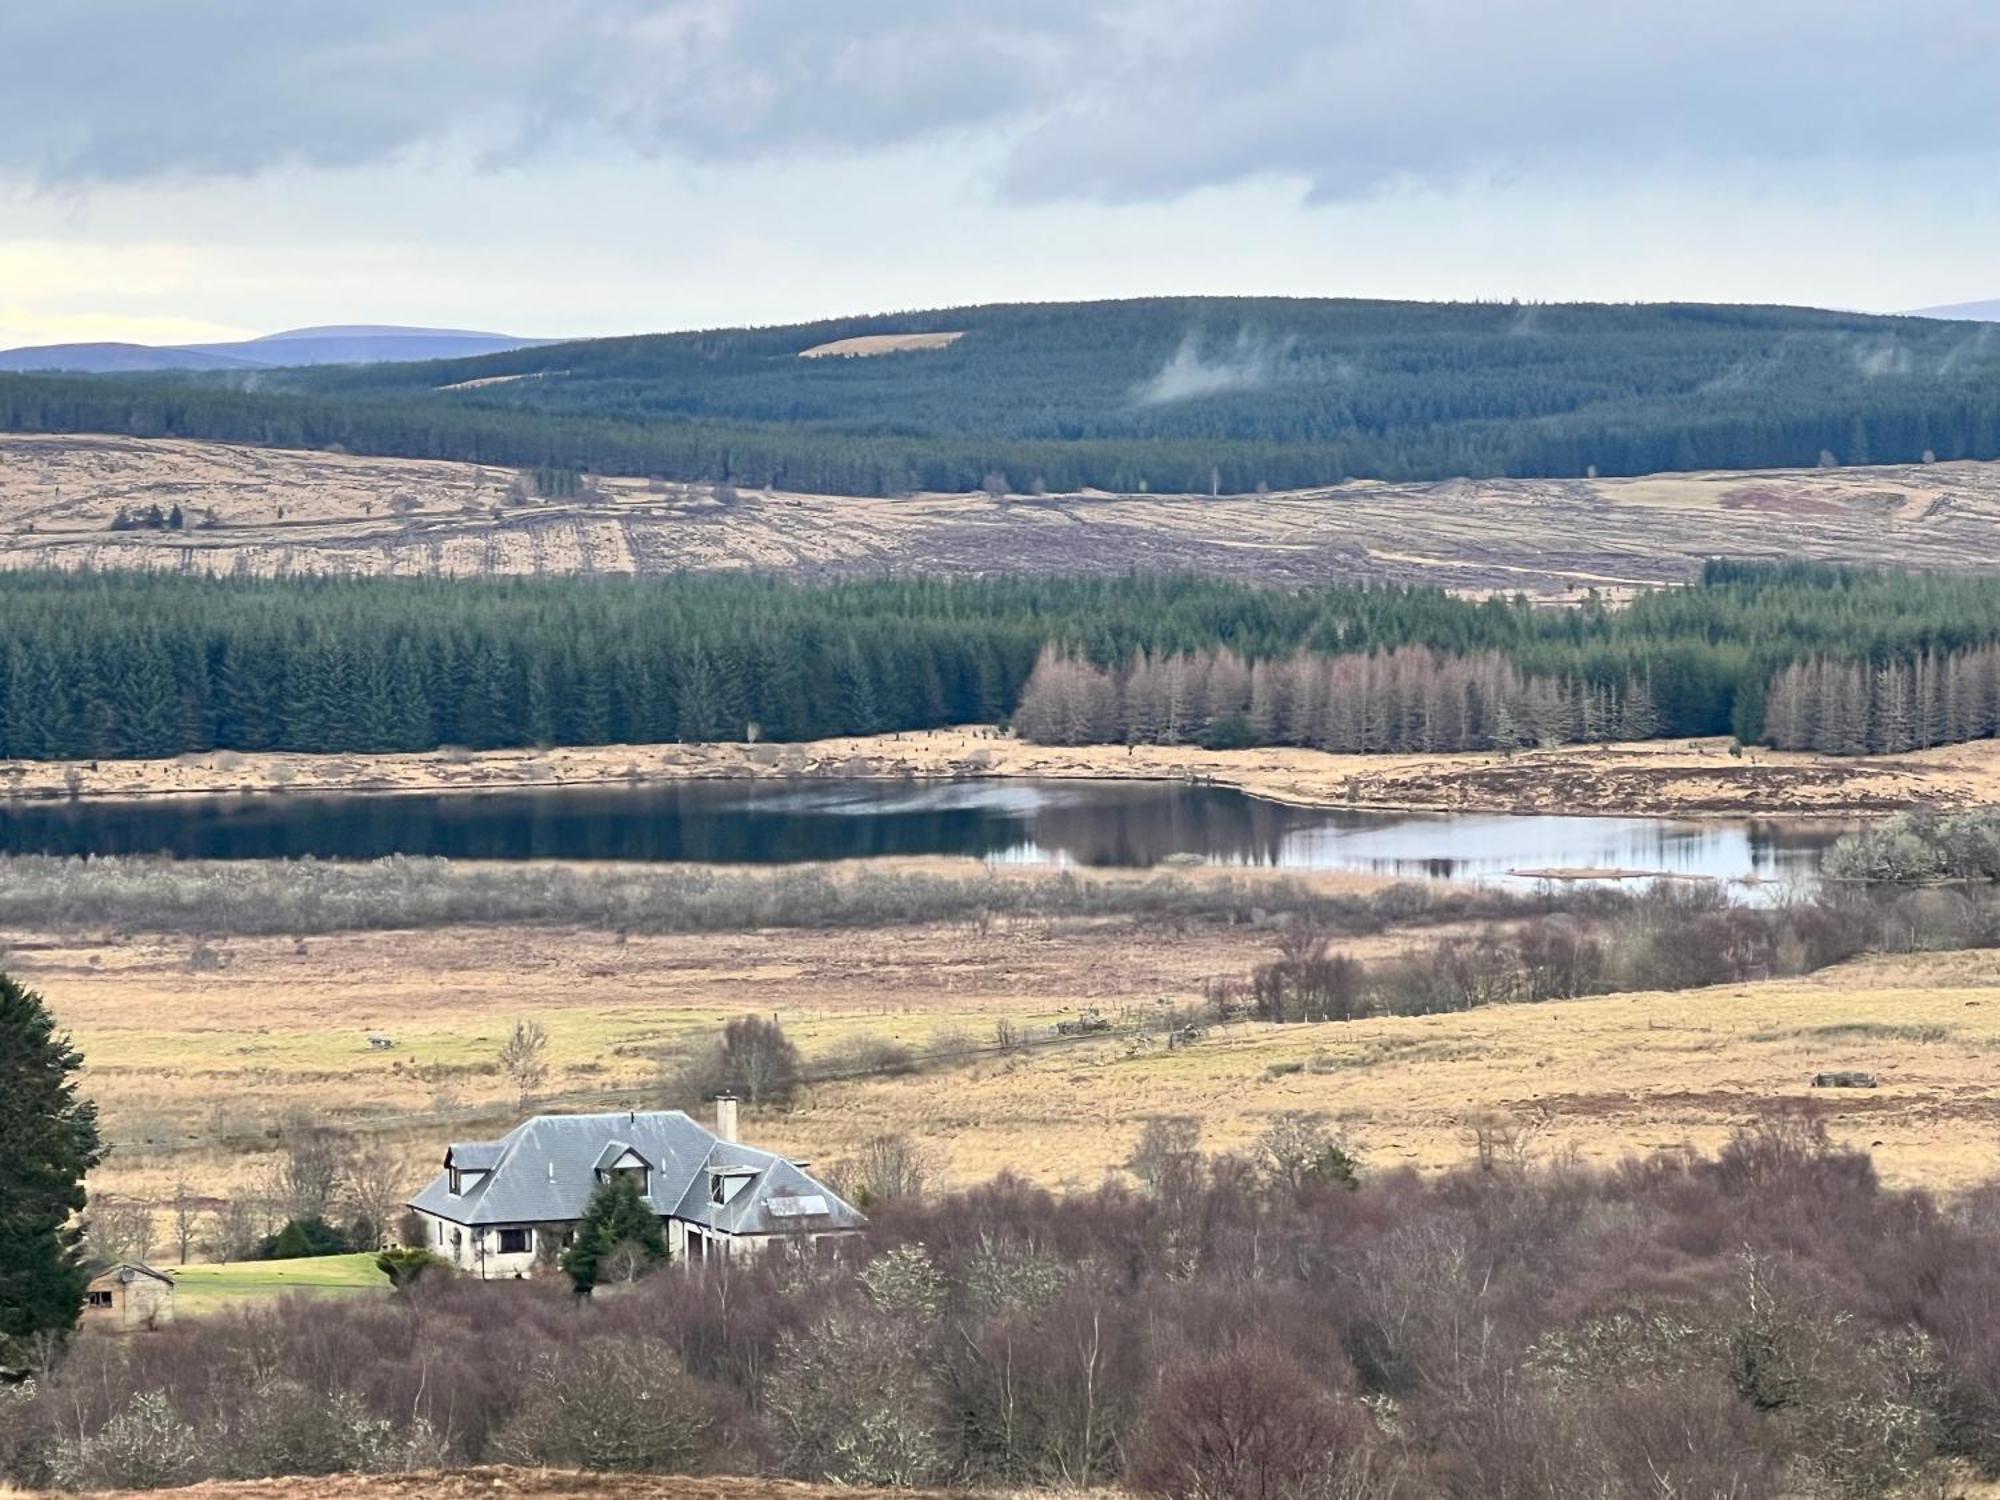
<point x="1971" y="312"/>
<point x="350" y="344"/>
<point x="120" y="359"/>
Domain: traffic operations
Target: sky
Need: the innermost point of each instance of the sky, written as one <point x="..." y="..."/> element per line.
<point x="210" y="169"/>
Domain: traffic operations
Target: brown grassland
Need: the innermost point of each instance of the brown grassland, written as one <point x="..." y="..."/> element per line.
<point x="1665" y="777"/>
<point x="272" y="511"/>
<point x="178" y="1052"/>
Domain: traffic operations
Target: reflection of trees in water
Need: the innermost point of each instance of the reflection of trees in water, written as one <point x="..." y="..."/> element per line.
<point x="1144" y="827"/>
<point x="1095" y="826"/>
<point x="1092" y="825"/>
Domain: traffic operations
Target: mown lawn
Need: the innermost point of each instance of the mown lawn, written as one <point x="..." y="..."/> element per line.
<point x="204" y="1289"/>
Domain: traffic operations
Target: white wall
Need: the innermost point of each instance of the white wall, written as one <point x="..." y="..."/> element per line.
<point x="463" y="1245"/>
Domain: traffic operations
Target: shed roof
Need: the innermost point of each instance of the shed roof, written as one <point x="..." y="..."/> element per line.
<point x="126" y="1272"/>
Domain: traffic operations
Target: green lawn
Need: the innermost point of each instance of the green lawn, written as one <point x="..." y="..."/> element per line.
<point x="201" y="1289"/>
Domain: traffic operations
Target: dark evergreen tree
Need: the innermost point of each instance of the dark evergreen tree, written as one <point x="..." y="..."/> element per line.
<point x="616" y="1219"/>
<point x="48" y="1142"/>
<point x="131" y="665"/>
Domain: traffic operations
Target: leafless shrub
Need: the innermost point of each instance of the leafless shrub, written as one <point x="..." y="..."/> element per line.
<point x="885" y="1168"/>
<point x="237" y="1227"/>
<point x="1168" y="1153"/>
<point x="753" y="1059"/>
<point x="853" y="1401"/>
<point x="311" y="1168"/>
<point x="145" y="1445"/>
<point x="524" y="1058"/>
<point x="1766" y="1321"/>
<point x="622" y="1405"/>
<point x="1250" y="1425"/>
<point x="296" y="899"/>
<point x="118" y="1229"/>
<point x="1298" y="1148"/>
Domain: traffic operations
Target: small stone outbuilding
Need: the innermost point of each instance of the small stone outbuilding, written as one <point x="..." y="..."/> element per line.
<point x="129" y="1296"/>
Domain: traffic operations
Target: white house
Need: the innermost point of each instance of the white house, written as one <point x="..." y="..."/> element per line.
<point x="500" y="1206"/>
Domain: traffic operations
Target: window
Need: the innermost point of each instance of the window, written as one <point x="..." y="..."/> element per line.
<point x="100" y="1299"/>
<point x="515" y="1241"/>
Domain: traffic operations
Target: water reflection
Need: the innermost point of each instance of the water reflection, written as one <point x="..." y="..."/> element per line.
<point x="1131" y="824"/>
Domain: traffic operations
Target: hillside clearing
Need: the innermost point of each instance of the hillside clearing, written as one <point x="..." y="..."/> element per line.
<point x="282" y="512"/>
<point x="880" y="343"/>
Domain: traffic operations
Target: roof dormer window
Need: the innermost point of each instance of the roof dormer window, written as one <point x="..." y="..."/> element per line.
<point x="467" y="1164"/>
<point x="620" y="1162"/>
<point x="724" y="1183"/>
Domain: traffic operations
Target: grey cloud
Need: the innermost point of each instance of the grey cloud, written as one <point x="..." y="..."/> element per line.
<point x="1114" y="100"/>
<point x="111" y="90"/>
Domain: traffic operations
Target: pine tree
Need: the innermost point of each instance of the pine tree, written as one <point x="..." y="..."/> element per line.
<point x="616" y="1216"/>
<point x="50" y="1142"/>
<point x="1638" y="718"/>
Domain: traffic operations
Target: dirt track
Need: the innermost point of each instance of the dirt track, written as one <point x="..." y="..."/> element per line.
<point x="270" y="511"/>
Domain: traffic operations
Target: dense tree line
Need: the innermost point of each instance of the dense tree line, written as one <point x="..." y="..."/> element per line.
<point x="137" y="667"/>
<point x="1854" y="708"/>
<point x="1410" y="698"/>
<point x="1184" y="395"/>
<point x="147" y="665"/>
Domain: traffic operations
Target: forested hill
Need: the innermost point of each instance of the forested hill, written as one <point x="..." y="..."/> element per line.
<point x="1162" y="394"/>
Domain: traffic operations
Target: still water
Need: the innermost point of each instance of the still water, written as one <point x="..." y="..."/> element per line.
<point x="1050" y="822"/>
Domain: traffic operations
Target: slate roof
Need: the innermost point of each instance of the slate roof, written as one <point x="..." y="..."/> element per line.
<point x="545" y="1169"/>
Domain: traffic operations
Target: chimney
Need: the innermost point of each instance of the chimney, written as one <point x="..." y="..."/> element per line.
<point x="725" y="1117"/>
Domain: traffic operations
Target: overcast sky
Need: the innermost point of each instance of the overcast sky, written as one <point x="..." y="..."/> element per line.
<point x="213" y="168"/>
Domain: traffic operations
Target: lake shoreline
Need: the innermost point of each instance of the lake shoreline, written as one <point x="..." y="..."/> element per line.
<point x="1693" y="780"/>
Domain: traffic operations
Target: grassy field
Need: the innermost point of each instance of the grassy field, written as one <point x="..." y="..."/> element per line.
<point x="177" y="1049"/>
<point x="1598" y="1079"/>
<point x="215" y="1288"/>
<point x="275" y="511"/>
<point x="179" y="1052"/>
